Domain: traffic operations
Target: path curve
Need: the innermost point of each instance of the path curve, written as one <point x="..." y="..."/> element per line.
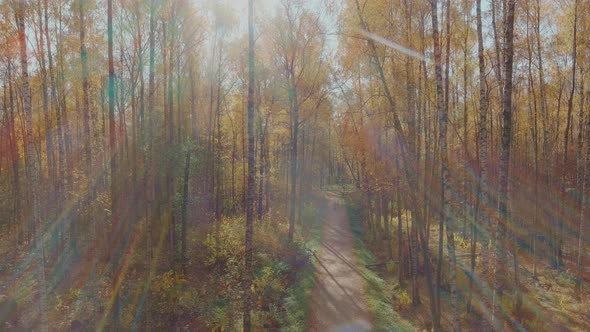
<point x="338" y="300"/>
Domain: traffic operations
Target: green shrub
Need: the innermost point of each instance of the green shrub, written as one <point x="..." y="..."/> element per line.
<point x="173" y="297"/>
<point x="404" y="299"/>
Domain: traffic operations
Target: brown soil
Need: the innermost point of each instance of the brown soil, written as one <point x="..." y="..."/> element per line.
<point x="338" y="300"/>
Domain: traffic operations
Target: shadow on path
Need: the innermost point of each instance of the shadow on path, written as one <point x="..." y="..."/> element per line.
<point x="338" y="300"/>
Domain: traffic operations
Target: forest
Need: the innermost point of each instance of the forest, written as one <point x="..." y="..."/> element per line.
<point x="294" y="165"/>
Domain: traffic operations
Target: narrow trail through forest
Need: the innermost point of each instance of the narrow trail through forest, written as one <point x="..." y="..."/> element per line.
<point x="338" y="300"/>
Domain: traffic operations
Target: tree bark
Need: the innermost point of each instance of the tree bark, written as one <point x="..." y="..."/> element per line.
<point x="184" y="211"/>
<point x="115" y="213"/>
<point x="14" y="151"/>
<point x="444" y="212"/>
<point x="247" y="282"/>
<point x="85" y="89"/>
<point x="150" y="165"/>
<point x="46" y="112"/>
<point x="31" y="163"/>
<point x="294" y="107"/>
<point x="500" y="272"/>
<point x="482" y="186"/>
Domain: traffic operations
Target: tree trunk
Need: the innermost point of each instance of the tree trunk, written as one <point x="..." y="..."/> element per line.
<point x="294" y="108"/>
<point x="583" y="185"/>
<point x="500" y="272"/>
<point x="547" y="167"/>
<point x="301" y="176"/>
<point x="46" y="112"/>
<point x="150" y="166"/>
<point x="85" y="89"/>
<point x="570" y="102"/>
<point x="444" y="212"/>
<point x="15" y="154"/>
<point x="400" y="242"/>
<point x="115" y="213"/>
<point x="445" y="183"/>
<point x="61" y="160"/>
<point x="31" y="163"/>
<point x="247" y="282"/>
<point x="262" y="168"/>
<point x="482" y="186"/>
<point x="184" y="211"/>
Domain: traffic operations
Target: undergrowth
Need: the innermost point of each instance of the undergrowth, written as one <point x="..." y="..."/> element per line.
<point x="379" y="294"/>
<point x="299" y="294"/>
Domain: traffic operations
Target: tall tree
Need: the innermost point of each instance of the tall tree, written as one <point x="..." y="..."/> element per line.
<point x="444" y="175"/>
<point x="501" y="223"/>
<point x="61" y="160"/>
<point x="247" y="286"/>
<point x="149" y="156"/>
<point x="115" y="212"/>
<point x="570" y="103"/>
<point x="294" y="114"/>
<point x="31" y="161"/>
<point x="482" y="138"/>
<point x="14" y="150"/>
<point x="45" y="96"/>
<point x="82" y="12"/>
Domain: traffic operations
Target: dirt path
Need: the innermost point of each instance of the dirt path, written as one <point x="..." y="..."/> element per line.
<point x="338" y="300"/>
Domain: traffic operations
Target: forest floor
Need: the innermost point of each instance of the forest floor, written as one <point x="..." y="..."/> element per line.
<point x="549" y="300"/>
<point x="338" y="300"/>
